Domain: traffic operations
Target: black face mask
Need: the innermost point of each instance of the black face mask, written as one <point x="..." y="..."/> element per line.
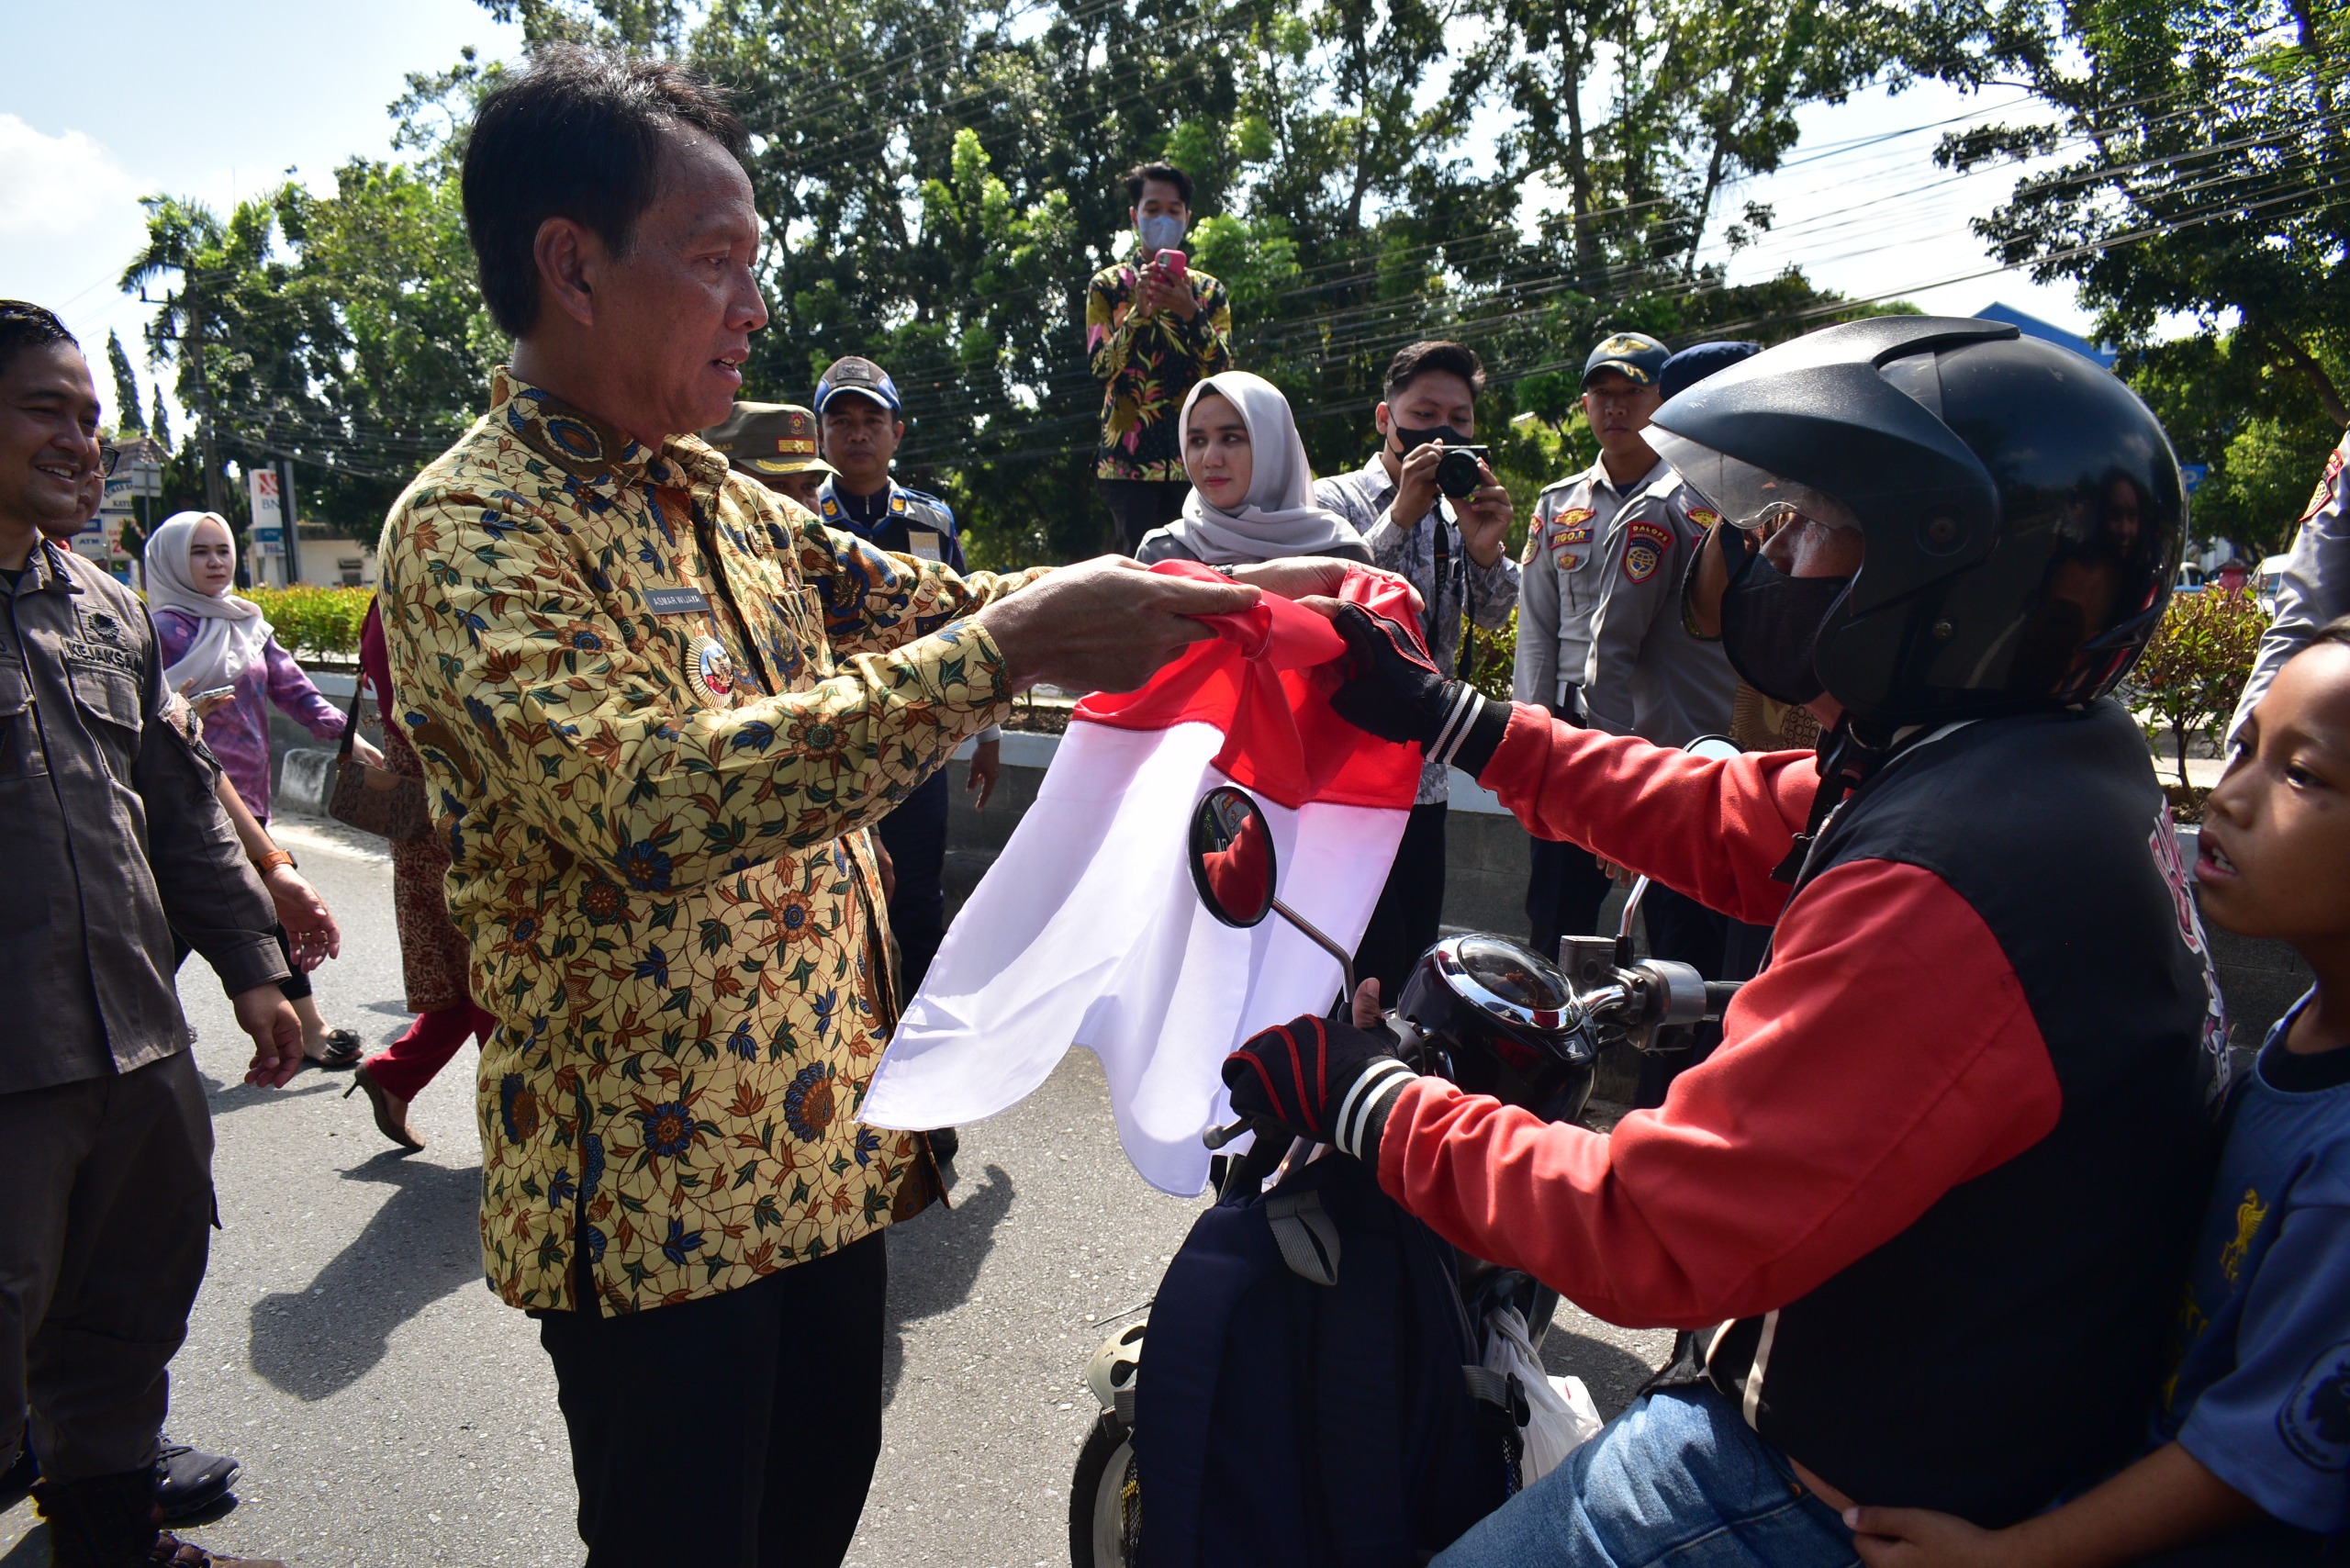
<point x="1407" y="439"/>
<point x="1771" y="624"/>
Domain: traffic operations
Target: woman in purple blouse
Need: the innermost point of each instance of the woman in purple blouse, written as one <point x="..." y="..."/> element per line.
<point x="219" y="653"/>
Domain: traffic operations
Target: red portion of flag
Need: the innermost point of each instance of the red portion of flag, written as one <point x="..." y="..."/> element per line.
<point x="1265" y="679"/>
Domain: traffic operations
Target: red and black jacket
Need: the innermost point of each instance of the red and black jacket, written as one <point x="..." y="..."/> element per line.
<point x="1941" y="1175"/>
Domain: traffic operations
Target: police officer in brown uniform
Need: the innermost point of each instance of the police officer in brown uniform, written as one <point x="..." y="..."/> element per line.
<point x="776" y="445"/>
<point x="105" y="1138"/>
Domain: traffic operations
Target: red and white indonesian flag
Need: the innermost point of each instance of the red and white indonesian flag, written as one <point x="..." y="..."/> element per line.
<point x="1088" y="931"/>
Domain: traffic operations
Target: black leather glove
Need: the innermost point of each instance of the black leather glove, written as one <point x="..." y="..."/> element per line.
<point x="1394" y="690"/>
<point x="1330" y="1082"/>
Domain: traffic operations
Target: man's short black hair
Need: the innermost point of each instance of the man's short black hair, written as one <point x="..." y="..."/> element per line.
<point x="576" y="134"/>
<point x="1417" y="359"/>
<point x="1166" y="174"/>
<point x="24" y="325"/>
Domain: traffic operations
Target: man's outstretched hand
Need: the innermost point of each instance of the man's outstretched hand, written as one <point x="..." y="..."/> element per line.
<point x="1330" y="1082"/>
<point x="1108" y="624"/>
<point x="265" y="1014"/>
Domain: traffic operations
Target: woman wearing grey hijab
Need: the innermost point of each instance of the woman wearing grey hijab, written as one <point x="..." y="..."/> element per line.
<point x="1252" y="492"/>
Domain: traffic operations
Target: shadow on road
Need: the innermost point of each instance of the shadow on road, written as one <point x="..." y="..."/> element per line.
<point x="934" y="1259"/>
<point x="423" y="1243"/>
<point x="32" y="1552"/>
<point x="1612" y="1374"/>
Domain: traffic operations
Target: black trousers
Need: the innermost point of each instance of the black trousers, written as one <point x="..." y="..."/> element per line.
<point x="106" y="1218"/>
<point x="1411" y="906"/>
<point x="1680" y="927"/>
<point x="736" y="1431"/>
<point x="914" y="833"/>
<point x="1140" y="505"/>
<point x="1564" y="886"/>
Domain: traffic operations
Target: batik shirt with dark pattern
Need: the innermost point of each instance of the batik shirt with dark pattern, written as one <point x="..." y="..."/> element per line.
<point x="1147" y="365"/>
<point x="654" y="701"/>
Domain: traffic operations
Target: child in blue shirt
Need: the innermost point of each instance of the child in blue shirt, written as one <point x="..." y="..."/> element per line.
<point x="2253" y="1465"/>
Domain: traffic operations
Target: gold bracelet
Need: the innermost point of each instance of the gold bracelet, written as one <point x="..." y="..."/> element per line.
<point x="272" y="861"/>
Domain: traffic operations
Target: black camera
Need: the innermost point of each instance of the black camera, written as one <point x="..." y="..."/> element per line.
<point x="1460" y="471"/>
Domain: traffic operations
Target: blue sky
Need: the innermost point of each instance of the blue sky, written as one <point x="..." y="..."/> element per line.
<point x="217" y="101"/>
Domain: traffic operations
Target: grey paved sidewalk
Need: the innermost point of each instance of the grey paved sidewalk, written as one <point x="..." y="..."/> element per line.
<point x="389" y="1410"/>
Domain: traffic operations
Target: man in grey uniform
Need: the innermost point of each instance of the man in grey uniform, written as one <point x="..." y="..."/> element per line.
<point x="105" y="1138"/>
<point x="1561" y="579"/>
<point x="2315" y="587"/>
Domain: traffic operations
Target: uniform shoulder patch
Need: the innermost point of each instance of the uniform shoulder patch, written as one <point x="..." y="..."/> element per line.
<point x="1646" y="545"/>
<point x="2326" y="483"/>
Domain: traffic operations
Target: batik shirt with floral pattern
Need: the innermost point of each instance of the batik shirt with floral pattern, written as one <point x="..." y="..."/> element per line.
<point x="653" y="703"/>
<point x="1146" y="367"/>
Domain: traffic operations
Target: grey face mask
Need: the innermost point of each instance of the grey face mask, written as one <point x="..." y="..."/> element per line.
<point x="1160" y="231"/>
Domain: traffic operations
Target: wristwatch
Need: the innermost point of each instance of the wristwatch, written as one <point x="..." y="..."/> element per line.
<point x="272" y="861"/>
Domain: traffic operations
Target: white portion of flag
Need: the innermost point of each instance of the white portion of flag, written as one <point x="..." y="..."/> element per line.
<point x="1087" y="931"/>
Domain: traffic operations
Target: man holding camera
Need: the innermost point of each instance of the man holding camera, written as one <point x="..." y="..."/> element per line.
<point x="1154" y="326"/>
<point x="1443" y="531"/>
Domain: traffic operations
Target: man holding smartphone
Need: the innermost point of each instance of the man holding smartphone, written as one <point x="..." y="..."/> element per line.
<point x="1154" y="326"/>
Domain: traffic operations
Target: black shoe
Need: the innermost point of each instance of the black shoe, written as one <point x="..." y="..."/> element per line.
<point x="188" y="1481"/>
<point x="944" y="1142"/>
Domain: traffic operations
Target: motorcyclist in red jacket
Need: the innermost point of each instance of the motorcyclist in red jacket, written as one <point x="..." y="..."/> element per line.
<point x="1929" y="1200"/>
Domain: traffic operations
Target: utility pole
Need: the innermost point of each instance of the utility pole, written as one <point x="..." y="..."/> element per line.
<point x="293" y="529"/>
<point x="192" y="344"/>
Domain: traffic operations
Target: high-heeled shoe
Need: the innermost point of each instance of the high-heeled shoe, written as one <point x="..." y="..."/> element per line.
<point x="391" y="1113"/>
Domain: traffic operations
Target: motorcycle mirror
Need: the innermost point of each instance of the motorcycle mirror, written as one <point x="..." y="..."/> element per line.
<point x="1233" y="867"/>
<point x="1232" y="856"/>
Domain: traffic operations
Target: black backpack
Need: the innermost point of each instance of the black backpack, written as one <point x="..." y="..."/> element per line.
<point x="1309" y="1393"/>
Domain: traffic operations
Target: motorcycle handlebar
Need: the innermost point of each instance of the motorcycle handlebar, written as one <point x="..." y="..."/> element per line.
<point x="1718" y="995"/>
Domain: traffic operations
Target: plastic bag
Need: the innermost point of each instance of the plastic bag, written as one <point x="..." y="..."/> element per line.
<point x="1560" y="1413"/>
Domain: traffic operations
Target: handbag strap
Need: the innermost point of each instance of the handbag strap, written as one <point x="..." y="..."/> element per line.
<point x="350" y="716"/>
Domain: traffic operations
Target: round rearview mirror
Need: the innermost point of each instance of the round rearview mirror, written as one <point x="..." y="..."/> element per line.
<point x="1232" y="856"/>
<point x="1714" y="748"/>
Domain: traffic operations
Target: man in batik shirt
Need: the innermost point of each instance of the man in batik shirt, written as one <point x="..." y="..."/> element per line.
<point x="655" y="702"/>
<point x="1154" y="327"/>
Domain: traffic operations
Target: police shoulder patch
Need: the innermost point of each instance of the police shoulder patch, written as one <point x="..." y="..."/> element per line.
<point x="1646" y="545"/>
<point x="2324" y="497"/>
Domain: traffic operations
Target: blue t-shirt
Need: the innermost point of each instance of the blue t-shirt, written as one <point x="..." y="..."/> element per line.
<point x="2262" y="1396"/>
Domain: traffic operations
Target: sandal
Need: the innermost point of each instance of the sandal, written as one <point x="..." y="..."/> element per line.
<point x="343" y="1050"/>
<point x="387" y="1122"/>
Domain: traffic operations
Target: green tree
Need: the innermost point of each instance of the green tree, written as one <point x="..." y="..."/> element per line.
<point x="2204" y="172"/>
<point x="126" y="387"/>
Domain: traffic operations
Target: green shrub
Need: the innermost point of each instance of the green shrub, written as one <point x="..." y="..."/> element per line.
<point x="2187" y="680"/>
<point x="319" y="622"/>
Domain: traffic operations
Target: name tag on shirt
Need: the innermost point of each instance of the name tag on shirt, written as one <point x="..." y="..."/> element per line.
<point x="675" y="600"/>
<point x="923" y="545"/>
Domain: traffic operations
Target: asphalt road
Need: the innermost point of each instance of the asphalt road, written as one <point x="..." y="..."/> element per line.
<point x="388" y="1409"/>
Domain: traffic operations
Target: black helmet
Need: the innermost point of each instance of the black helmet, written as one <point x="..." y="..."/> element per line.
<point x="2023" y="510"/>
<point x="1499" y="1019"/>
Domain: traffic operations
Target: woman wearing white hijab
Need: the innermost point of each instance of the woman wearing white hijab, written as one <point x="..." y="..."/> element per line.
<point x="1252" y="493"/>
<point x="211" y="641"/>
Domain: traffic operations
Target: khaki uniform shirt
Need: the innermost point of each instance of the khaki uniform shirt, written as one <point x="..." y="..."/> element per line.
<point x="653" y="701"/>
<point x="114" y="838"/>
<point x="1647" y="676"/>
<point x="1561" y="581"/>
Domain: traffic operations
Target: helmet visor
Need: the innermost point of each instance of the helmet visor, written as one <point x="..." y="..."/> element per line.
<point x="1748" y="497"/>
